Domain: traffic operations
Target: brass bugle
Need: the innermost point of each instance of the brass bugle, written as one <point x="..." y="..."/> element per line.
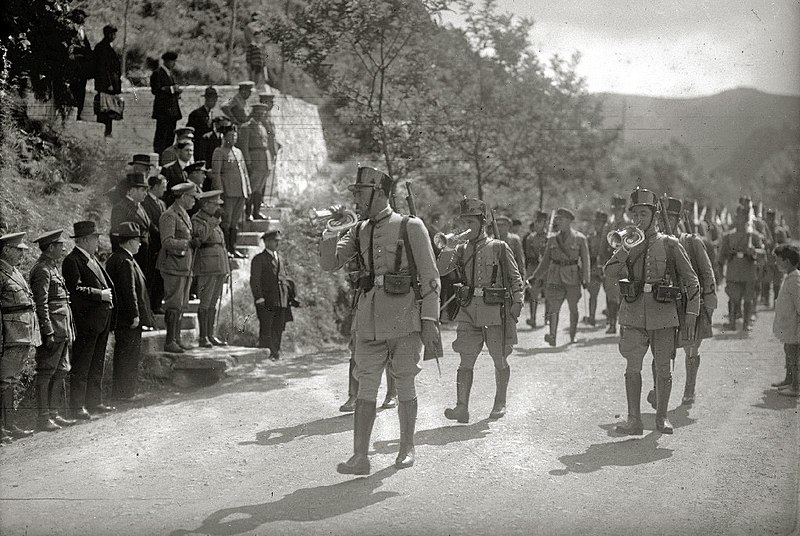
<point x="336" y="218"/>
<point x="442" y="240"/>
<point x="627" y="238"/>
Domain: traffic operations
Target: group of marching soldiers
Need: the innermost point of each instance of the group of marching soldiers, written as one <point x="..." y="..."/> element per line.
<point x="659" y="268"/>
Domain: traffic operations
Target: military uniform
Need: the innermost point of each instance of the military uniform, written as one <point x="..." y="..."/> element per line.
<point x="772" y="276"/>
<point x="229" y="174"/>
<point x="563" y="268"/>
<point x="211" y="267"/>
<point x="175" y="264"/>
<point x="57" y="332"/>
<point x="235" y="108"/>
<point x="19" y="331"/>
<point x="597" y="245"/>
<point x="647" y="323"/>
<point x="483" y="264"/>
<point x="257" y="143"/>
<point x="739" y="250"/>
<point x="389" y="315"/>
<point x="610" y="285"/>
<point x="534" y="245"/>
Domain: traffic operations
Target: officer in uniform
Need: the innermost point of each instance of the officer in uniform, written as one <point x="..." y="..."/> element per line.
<point x="534" y="244"/>
<point x="772" y="276"/>
<point x="229" y="174"/>
<point x="597" y="244"/>
<point x="175" y="261"/>
<point x="648" y="315"/>
<point x="513" y="240"/>
<point x="57" y="330"/>
<point x="619" y="221"/>
<point x="19" y="330"/>
<point x="235" y="109"/>
<point x="565" y="266"/>
<point x="397" y="307"/>
<point x="739" y="250"/>
<point x="271" y="189"/>
<point x="211" y="264"/>
<point x="257" y="143"/>
<point x="490" y="297"/>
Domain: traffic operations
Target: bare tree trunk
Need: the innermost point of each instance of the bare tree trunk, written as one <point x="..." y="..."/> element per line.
<point x="125" y="39"/>
<point x="229" y="74"/>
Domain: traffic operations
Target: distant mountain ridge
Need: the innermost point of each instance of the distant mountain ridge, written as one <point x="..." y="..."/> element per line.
<point x="732" y="132"/>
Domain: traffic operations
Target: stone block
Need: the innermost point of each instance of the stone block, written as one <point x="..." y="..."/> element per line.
<point x="262" y="226"/>
<point x="188" y="321"/>
<point x="249" y="239"/>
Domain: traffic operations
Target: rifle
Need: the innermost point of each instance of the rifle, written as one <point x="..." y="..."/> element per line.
<point x="550" y="232"/>
<point x="412" y="205"/>
<point x="503" y="282"/>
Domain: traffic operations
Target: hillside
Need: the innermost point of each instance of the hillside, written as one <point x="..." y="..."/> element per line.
<point x="732" y="132"/>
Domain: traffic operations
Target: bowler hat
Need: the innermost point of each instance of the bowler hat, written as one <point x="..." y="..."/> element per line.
<point x="369" y="177"/>
<point x="127" y="229"/>
<point x="13" y="240"/>
<point x="84" y="228"/>
<point x="169" y="56"/>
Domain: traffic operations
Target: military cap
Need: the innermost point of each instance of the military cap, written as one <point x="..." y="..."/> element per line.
<point x="13" y="240"/>
<point x="211" y="195"/>
<point x="673" y="205"/>
<point x="210" y="92"/>
<point x="472" y="207"/>
<point x="617" y="201"/>
<point x="369" y="177"/>
<point x="771" y="212"/>
<point x="541" y="215"/>
<point x="247" y="84"/>
<point x="272" y="233"/>
<point x="185" y="188"/>
<point x="184" y="132"/>
<point x="565" y="213"/>
<point x="141" y="160"/>
<point x="169" y="56"/>
<point x="84" y="228"/>
<point x="135" y="179"/>
<point x="503" y="218"/>
<point x="259" y="106"/>
<point x="200" y="165"/>
<point x="516" y="222"/>
<point x="266" y="98"/>
<point x="641" y="196"/>
<point x="600" y="215"/>
<point x="127" y="229"/>
<point x="49" y="237"/>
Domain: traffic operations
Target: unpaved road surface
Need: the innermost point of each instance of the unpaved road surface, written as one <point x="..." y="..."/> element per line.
<point x="256" y="453"/>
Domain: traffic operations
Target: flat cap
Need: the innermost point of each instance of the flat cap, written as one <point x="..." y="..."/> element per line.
<point x="13" y="240"/>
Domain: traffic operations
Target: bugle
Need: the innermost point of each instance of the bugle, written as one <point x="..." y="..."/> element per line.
<point x="336" y="218"/>
<point x="627" y="238"/>
<point x="451" y="239"/>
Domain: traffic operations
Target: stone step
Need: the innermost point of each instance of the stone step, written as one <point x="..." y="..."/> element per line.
<point x="153" y="341"/>
<point x="250" y="251"/>
<point x="249" y="239"/>
<point x="188" y="321"/>
<point x="261" y="226"/>
<point x="199" y="367"/>
<point x="192" y="307"/>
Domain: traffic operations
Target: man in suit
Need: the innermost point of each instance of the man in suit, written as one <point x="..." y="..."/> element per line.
<point x="564" y="268"/>
<point x="133" y="310"/>
<point x="270" y="284"/>
<point x="166" y="108"/>
<point x="19" y="330"/>
<point x="57" y="330"/>
<point x="172" y="152"/>
<point x="154" y="207"/>
<point x="202" y="121"/>
<point x="235" y="109"/>
<point x="175" y="261"/>
<point x="107" y="74"/>
<point x="92" y="294"/>
<point x="175" y="172"/>
<point x="80" y="55"/>
<point x="130" y="208"/>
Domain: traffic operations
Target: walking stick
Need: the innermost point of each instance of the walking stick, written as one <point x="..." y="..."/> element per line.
<point x="230" y="291"/>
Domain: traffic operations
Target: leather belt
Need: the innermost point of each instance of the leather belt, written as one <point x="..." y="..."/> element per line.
<point x="18" y="308"/>
<point x="565" y="263"/>
<point x="204" y="246"/>
<point x="57" y="302"/>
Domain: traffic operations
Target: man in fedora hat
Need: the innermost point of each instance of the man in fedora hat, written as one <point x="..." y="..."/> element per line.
<point x="93" y="298"/>
<point x="257" y="143"/>
<point x="57" y="329"/>
<point x="648" y="314"/>
<point x="397" y="308"/>
<point x="202" y="120"/>
<point x="235" y="109"/>
<point x="564" y="268"/>
<point x="154" y="207"/>
<point x="175" y="261"/>
<point x="229" y="174"/>
<point x="166" y="107"/>
<point x="170" y="154"/>
<point x="130" y="208"/>
<point x="19" y="330"/>
<point x="175" y="171"/>
<point x="211" y="265"/>
<point x="142" y="163"/>
<point x="133" y="309"/>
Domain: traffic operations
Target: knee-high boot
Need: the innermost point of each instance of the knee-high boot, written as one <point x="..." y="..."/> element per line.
<point x="390" y="400"/>
<point x="177" y="320"/>
<point x="57" y="401"/>
<point x="11" y="425"/>
<point x="532" y="320"/>
<point x="501" y="377"/>
<point x="613" y="307"/>
<point x="407" y="412"/>
<point x="5" y="434"/>
<point x="257" y="199"/>
<point x="663" y="390"/>
<point x="460" y="413"/>
<point x="731" y="325"/>
<point x="43" y="421"/>
<point x="651" y="396"/>
<point x="211" y="322"/>
<point x="202" y="319"/>
<point x="633" y="391"/>
<point x="352" y="390"/>
<point x="692" y="364"/>
<point x="551" y="337"/>
<point x="363" y="419"/>
<point x="171" y="319"/>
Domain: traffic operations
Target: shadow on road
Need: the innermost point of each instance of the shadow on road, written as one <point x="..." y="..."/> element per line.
<point x="618" y="453"/>
<point x="610" y="339"/>
<point x="439" y="436"/>
<point x="306" y="504"/>
<point x="771" y="399"/>
<point x="320" y="427"/>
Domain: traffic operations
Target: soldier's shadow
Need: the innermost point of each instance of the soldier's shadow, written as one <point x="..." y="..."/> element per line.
<point x="610" y="339"/>
<point x="306" y="504"/>
<point x="771" y="399"/>
<point x="320" y="427"/>
<point x="617" y="453"/>
<point x="439" y="436"/>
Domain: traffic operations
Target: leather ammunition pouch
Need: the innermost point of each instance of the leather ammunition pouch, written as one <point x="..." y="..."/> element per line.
<point x="397" y="284"/>
<point x="663" y="293"/>
<point x="463" y="294"/>
<point x="630" y="289"/>
<point x="177" y="251"/>
<point x="495" y="296"/>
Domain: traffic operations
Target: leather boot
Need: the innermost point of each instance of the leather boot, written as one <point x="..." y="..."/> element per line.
<point x="747" y="316"/>
<point x="612" y="318"/>
<point x="663" y="390"/>
<point x="550" y="338"/>
<point x="407" y="411"/>
<point x="211" y="321"/>
<point x="633" y="391"/>
<point x="501" y="377"/>
<point x="177" y="320"/>
<point x="234" y="238"/>
<point x="532" y="320"/>
<point x="692" y="364"/>
<point x="390" y="401"/>
<point x="10" y="425"/>
<point x="202" y="319"/>
<point x="43" y="421"/>
<point x="731" y="325"/>
<point x="363" y="419"/>
<point x="651" y="396"/>
<point x="170" y="345"/>
<point x="352" y="391"/>
<point x="57" y="401"/>
<point x="257" y="199"/>
<point x="460" y="413"/>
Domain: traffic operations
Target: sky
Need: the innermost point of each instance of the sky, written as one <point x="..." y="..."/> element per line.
<point x="675" y="48"/>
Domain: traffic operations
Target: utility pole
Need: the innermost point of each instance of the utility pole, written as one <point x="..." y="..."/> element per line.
<point x="230" y="42"/>
<point x="125" y="39"/>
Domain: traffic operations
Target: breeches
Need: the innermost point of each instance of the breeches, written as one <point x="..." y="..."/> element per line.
<point x="11" y="362"/>
<point x="634" y="342"/>
<point x="209" y="290"/>
<point x="52" y="362"/>
<point x="233" y="207"/>
<point x="612" y="290"/>
<point x="470" y="340"/>
<point x="555" y="295"/>
<point x="399" y="356"/>
<point x="259" y="179"/>
<point x="176" y="291"/>
<point x="737" y="290"/>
